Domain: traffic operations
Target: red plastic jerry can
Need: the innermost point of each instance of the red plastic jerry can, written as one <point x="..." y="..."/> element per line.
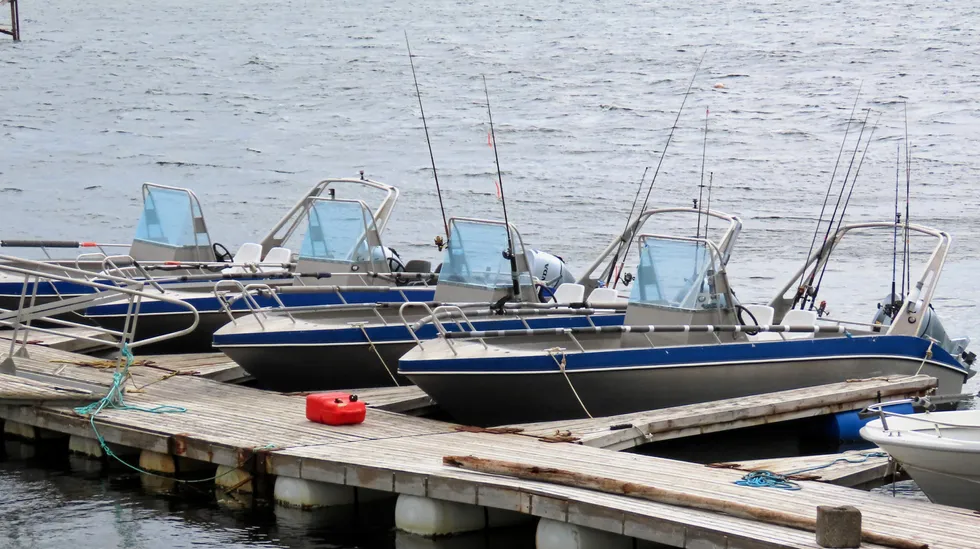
<point x="335" y="408"/>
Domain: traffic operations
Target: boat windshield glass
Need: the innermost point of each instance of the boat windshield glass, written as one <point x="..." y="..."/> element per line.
<point x="476" y="256"/>
<point x="674" y="273"/>
<point x="337" y="230"/>
<point x="168" y="219"/>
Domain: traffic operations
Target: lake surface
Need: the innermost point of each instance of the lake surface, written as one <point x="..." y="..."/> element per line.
<point x="251" y="104"/>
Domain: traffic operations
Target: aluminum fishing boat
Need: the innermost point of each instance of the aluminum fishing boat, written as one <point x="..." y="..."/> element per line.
<point x="347" y="346"/>
<point x="939" y="450"/>
<point x="341" y="261"/>
<point x="687" y="339"/>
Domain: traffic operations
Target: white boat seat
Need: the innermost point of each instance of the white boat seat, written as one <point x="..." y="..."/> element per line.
<point x="570" y="293"/>
<point x="797" y="317"/>
<point x="275" y="259"/>
<point x="763" y="317"/>
<point x="249" y="252"/>
<point x="603" y="296"/>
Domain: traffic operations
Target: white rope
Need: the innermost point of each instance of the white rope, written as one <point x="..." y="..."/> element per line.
<point x="375" y="349"/>
<point x="561" y="366"/>
<point x="925" y="358"/>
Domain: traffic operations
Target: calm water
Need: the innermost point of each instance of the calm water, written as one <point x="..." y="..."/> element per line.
<point x="251" y="104"/>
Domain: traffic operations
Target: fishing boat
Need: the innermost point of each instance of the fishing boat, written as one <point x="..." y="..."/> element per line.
<point x="939" y="450"/>
<point x="348" y="346"/>
<point x="341" y="260"/>
<point x="687" y="339"/>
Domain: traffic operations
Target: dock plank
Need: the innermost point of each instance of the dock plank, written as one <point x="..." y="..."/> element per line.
<point x="216" y="366"/>
<point x="67" y="340"/>
<point x="630" y="430"/>
<point x="850" y="469"/>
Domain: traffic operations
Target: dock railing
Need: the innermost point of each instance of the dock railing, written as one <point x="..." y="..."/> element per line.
<point x="53" y="308"/>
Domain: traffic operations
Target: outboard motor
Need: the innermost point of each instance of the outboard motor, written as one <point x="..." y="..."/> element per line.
<point x="931" y="328"/>
<point x="548" y="270"/>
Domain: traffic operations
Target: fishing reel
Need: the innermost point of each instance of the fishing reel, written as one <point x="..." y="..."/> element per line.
<point x="439" y="242"/>
<point x="627" y="278"/>
<point x="822" y="309"/>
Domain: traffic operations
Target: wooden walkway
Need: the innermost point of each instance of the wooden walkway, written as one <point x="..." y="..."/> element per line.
<point x="243" y="427"/>
<point x="851" y="469"/>
<point x="630" y="430"/>
<point x="66" y="341"/>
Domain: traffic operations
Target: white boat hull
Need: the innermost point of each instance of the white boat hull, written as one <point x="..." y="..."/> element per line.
<point x="945" y="464"/>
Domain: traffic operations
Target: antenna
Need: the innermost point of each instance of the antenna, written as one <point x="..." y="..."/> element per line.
<point x="500" y="182"/>
<point x="432" y="158"/>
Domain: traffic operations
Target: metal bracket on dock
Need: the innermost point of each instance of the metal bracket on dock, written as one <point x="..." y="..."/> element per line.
<point x="14" y="30"/>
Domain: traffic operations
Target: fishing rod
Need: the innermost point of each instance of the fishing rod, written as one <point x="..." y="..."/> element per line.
<point x="826" y="198"/>
<point x="893" y="298"/>
<point x="840" y="221"/>
<point x="906" y="250"/>
<point x="500" y="182"/>
<point x="808" y="287"/>
<point x="626" y="228"/>
<point x="707" y="216"/>
<point x="704" y="151"/>
<point x="656" y="172"/>
<point x="432" y="158"/>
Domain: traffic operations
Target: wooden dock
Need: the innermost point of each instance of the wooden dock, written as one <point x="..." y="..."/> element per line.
<point x="855" y="468"/>
<point x="268" y="433"/>
<point x="630" y="430"/>
<point x="67" y="340"/>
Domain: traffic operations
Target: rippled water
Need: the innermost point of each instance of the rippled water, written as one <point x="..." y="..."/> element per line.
<point x="250" y="104"/>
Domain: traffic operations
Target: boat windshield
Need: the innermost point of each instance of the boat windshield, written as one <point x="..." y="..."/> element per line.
<point x="476" y="256"/>
<point x="674" y="273"/>
<point x="169" y="219"/>
<point x="337" y="230"/>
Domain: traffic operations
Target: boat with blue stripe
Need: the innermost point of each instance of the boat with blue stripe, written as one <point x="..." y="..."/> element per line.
<point x="341" y="261"/>
<point x="687" y="339"/>
<point x="347" y="346"/>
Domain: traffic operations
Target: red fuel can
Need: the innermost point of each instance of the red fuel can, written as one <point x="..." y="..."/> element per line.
<point x="335" y="408"/>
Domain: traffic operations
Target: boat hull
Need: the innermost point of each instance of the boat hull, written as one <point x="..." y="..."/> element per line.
<point x="947" y="468"/>
<point x="534" y="390"/>
<point x="307" y="356"/>
<point x="314" y="368"/>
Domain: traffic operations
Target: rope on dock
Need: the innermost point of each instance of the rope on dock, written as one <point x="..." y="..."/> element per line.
<point x="769" y="479"/>
<point x="114" y="400"/>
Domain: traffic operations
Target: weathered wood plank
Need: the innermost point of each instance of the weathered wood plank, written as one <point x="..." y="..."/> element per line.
<point x="629" y="430"/>
<point x="67" y="340"/>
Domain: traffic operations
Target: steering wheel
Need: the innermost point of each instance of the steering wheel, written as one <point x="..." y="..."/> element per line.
<point x="222" y="256"/>
<point x="738" y="314"/>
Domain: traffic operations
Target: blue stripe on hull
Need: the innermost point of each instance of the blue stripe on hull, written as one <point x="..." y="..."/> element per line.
<point x="399" y="333"/>
<point x="209" y="303"/>
<point x="809" y="349"/>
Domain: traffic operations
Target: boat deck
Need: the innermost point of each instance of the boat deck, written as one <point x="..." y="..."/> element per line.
<point x="244" y="427"/>
<point x="630" y="430"/>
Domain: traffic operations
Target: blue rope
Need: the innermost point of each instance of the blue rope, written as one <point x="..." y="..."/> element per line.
<point x="768" y="479"/>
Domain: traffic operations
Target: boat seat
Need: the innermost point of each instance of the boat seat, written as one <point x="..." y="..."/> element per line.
<point x="249" y="252"/>
<point x="570" y="293"/>
<point x="275" y="259"/>
<point x="797" y="317"/>
<point x="603" y="296"/>
<point x="418" y="266"/>
<point x="763" y="317"/>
